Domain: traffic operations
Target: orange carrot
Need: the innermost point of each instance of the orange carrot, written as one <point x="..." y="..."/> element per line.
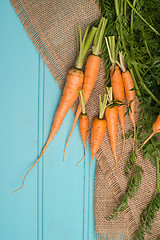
<point x="117" y="84"/>
<point x="98" y="128"/>
<point x="111" y="115"/>
<point x="83" y="126"/>
<point x="118" y="92"/>
<point x="129" y="88"/>
<point x="83" y="122"/>
<point x="91" y="72"/>
<point x="156" y="129"/>
<point x="73" y="84"/>
<point x="130" y="93"/>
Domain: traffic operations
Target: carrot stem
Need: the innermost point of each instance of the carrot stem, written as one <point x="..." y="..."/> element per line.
<point x="112" y="47"/>
<point x="125" y="8"/>
<point x="82" y="101"/>
<point x="88" y="41"/>
<point x="109" y="51"/>
<point x="77" y="39"/>
<point x="95" y="42"/>
<point x="102" y="105"/>
<point x="83" y="45"/>
<point x="110" y="42"/>
<point x="109" y="95"/>
<point x="122" y="62"/>
<point x="134" y="9"/>
<point x="96" y="48"/>
<point x="157" y="161"/>
<point x="117" y="7"/>
<point x="131" y="30"/>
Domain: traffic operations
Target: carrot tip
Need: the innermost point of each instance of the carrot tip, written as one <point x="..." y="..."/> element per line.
<point x="17" y="189"/>
<point x="147" y="140"/>
<point x="91" y="161"/>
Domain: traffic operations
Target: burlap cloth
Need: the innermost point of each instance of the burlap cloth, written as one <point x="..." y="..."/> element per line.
<point x="51" y="26"/>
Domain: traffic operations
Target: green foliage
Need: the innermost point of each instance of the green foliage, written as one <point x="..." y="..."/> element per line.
<point x="134" y="174"/>
<point x="119" y="103"/>
<point x="147" y="217"/>
<point x="140" y="45"/>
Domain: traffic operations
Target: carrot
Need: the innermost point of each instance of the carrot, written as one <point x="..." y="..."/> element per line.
<point x="98" y="128"/>
<point x="83" y="122"/>
<point x="91" y="72"/>
<point x="73" y="83"/>
<point x="130" y="93"/>
<point x="117" y="84"/>
<point x="156" y="129"/>
<point x="118" y="93"/>
<point x="111" y="115"/>
<point x="129" y="88"/>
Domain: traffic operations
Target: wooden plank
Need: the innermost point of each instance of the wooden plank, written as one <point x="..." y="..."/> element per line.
<point x="18" y="128"/>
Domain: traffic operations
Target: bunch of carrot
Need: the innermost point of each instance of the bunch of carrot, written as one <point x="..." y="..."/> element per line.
<point x="81" y="84"/>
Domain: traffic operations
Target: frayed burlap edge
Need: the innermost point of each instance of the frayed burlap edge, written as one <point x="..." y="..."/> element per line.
<point x="104" y="236"/>
<point x="38" y="42"/>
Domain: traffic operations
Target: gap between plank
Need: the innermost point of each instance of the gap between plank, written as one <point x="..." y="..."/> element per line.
<point x="40" y="144"/>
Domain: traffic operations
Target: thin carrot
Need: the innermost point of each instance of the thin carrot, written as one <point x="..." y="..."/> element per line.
<point x="156" y="129"/>
<point x="129" y="89"/>
<point x="111" y="115"/>
<point x="98" y="128"/>
<point x="73" y="83"/>
<point x="91" y="72"/>
<point x="130" y="93"/>
<point x="117" y="84"/>
<point x="83" y="122"/>
<point x="118" y="93"/>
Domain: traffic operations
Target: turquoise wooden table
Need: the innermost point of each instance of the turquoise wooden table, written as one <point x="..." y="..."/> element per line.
<point x="57" y="201"/>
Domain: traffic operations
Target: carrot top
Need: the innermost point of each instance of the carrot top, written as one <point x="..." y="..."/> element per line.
<point x="83" y="44"/>
<point x="112" y="50"/>
<point x="97" y="43"/>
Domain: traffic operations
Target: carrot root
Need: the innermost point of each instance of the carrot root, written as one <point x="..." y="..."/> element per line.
<point x="31" y="168"/>
<point x="124" y="141"/>
<point x="147" y="140"/>
<point x="83" y="157"/>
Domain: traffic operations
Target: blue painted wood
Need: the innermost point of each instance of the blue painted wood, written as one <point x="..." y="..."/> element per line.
<point x="57" y="199"/>
<point x="18" y="128"/>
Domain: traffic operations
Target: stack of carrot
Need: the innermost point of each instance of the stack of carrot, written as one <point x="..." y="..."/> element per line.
<point x="81" y="84"/>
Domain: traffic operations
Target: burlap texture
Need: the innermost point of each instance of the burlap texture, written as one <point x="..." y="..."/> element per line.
<point x="51" y="26"/>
